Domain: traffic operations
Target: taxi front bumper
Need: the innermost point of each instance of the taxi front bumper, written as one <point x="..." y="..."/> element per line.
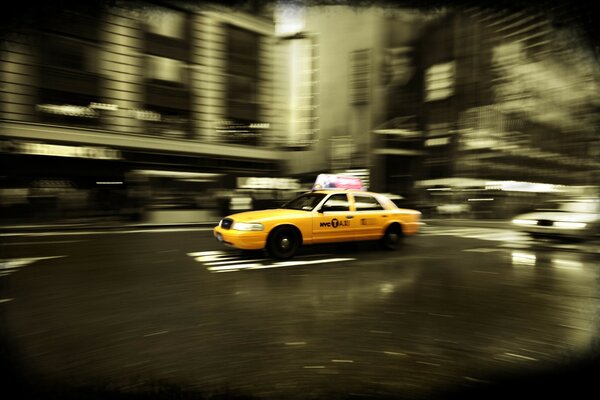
<point x="245" y="240"/>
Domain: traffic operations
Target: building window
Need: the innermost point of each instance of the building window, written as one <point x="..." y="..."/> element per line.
<point x="167" y="71"/>
<point x="168" y="122"/>
<point x="439" y="81"/>
<point x="243" y="76"/>
<point x="69" y="81"/>
<point x="167" y="23"/>
<point x="359" y="77"/>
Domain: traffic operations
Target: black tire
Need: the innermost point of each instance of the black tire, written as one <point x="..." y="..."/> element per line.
<point x="283" y="243"/>
<point x="392" y="238"/>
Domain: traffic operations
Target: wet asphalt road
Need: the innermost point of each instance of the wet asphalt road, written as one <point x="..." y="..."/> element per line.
<point x="454" y="306"/>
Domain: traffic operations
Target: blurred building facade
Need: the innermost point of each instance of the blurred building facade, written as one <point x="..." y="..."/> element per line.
<point x="115" y="110"/>
<point x="455" y="100"/>
<point x="517" y="109"/>
<point x="363" y="53"/>
<point x="118" y="110"/>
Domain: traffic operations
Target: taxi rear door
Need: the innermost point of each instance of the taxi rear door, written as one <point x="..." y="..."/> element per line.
<point x="370" y="217"/>
<point x="334" y="221"/>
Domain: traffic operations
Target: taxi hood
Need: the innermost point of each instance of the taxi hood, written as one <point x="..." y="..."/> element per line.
<point x="262" y="215"/>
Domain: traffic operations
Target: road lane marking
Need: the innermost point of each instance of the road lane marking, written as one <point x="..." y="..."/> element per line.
<point x="483" y="250"/>
<point x="156" y="333"/>
<point x="230" y="262"/>
<point x="429" y="363"/>
<point x="207" y="259"/>
<point x="441" y="315"/>
<point x="253" y="266"/>
<point x="14" y="263"/>
<point x="48" y="242"/>
<point x="393" y="353"/>
<point x="5" y="300"/>
<point x="342" y="361"/>
<point x="521" y="357"/>
<point x="205" y="253"/>
<point x="294" y="263"/>
<point x="233" y="267"/>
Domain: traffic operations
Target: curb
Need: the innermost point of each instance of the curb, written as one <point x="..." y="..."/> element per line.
<point x="77" y="227"/>
<point x="496" y="223"/>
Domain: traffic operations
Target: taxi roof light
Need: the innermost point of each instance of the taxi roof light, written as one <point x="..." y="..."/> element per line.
<point x="335" y="181"/>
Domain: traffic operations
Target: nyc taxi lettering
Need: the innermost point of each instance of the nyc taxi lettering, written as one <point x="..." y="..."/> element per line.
<point x="334" y="223"/>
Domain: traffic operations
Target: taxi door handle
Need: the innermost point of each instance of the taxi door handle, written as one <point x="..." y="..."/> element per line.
<point x="349" y="216"/>
<point x="384" y="216"/>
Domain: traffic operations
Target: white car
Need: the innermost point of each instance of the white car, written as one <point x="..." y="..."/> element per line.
<point x="576" y="218"/>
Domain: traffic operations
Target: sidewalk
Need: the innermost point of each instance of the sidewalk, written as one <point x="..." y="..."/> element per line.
<point x="464" y="222"/>
<point x="100" y="225"/>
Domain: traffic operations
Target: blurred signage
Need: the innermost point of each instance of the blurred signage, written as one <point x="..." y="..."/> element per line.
<point x="68" y="110"/>
<point x="515" y="186"/>
<point x="241" y="132"/>
<point x="439" y="81"/>
<point x="267" y="183"/>
<point x="93" y="111"/>
<point x="45" y="149"/>
<point x="439" y="141"/>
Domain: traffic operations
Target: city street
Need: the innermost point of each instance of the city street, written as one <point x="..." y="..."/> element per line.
<point x="454" y="307"/>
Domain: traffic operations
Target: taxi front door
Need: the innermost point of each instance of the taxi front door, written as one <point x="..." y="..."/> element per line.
<point x="334" y="221"/>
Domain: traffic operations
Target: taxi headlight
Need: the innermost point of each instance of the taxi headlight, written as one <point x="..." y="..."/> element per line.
<point x="570" y="225"/>
<point x="524" y="221"/>
<point x="247" y="226"/>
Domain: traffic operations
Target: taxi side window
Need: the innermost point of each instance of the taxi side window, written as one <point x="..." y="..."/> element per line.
<point x="366" y="203"/>
<point x="337" y="202"/>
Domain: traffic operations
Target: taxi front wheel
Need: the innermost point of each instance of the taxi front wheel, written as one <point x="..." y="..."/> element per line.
<point x="283" y="243"/>
<point x="392" y="238"/>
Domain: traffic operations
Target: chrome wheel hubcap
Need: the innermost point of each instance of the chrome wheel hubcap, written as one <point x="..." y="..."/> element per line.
<point x="284" y="243"/>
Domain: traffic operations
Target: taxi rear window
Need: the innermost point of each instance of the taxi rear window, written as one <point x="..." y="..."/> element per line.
<point x="366" y="203"/>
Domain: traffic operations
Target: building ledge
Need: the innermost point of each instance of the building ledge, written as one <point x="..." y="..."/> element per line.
<point x="98" y="137"/>
<point x="399" y="152"/>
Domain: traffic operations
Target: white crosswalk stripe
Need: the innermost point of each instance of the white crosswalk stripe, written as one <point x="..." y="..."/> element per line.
<point x="222" y="261"/>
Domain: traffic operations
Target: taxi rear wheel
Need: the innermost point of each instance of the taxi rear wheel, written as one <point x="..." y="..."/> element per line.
<point x="283" y="243"/>
<point x="392" y="238"/>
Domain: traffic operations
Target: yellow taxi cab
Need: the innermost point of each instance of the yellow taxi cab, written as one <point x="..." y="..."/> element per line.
<point x="338" y="209"/>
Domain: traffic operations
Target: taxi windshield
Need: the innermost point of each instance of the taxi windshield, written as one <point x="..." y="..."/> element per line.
<point x="304" y="202"/>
